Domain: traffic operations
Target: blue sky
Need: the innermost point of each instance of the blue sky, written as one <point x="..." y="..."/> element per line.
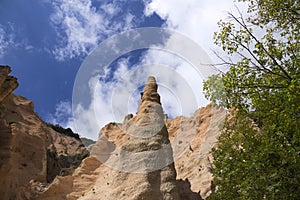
<point x="45" y="42"/>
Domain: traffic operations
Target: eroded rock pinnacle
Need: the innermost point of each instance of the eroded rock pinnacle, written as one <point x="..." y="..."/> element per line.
<point x="150" y="91"/>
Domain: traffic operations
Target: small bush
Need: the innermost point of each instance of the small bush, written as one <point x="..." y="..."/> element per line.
<point x="11" y="122"/>
<point x="64" y="131"/>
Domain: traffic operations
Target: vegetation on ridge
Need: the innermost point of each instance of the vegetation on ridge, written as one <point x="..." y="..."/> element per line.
<point x="64" y="131"/>
<point x="258" y="154"/>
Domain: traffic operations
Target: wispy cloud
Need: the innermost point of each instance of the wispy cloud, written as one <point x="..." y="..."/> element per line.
<point x="194" y="18"/>
<point x="81" y="26"/>
<point x="180" y="84"/>
<point x="114" y="97"/>
<point x="62" y="115"/>
<point x="4" y="42"/>
<point x="8" y="40"/>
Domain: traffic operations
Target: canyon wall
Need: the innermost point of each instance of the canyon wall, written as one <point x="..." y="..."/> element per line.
<point x="32" y="154"/>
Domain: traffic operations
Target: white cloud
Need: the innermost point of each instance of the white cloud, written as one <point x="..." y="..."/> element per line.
<point x="8" y="39"/>
<point x="110" y="8"/>
<point x="81" y="26"/>
<point x="62" y="115"/>
<point x="180" y="83"/>
<point x="4" y="41"/>
<point x="111" y="101"/>
<point x="81" y="120"/>
<point x="194" y="18"/>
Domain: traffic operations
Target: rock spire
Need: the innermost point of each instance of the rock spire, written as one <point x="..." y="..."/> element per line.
<point x="134" y="159"/>
<point x="146" y="155"/>
<point x="148" y="150"/>
<point x="150" y="91"/>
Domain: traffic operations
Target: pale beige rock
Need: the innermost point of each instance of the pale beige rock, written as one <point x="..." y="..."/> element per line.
<point x="192" y="140"/>
<point x="123" y="149"/>
<point x="25" y="144"/>
<point x="130" y="168"/>
<point x="131" y="160"/>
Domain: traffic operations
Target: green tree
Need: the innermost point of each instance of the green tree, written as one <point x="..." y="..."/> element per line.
<point x="258" y="153"/>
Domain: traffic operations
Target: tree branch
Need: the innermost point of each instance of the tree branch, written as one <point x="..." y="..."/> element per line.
<point x="250" y="33"/>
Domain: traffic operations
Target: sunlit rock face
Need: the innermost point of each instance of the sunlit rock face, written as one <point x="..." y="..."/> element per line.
<point x="148" y="150"/>
<point x="32" y="154"/>
<point x="148" y="156"/>
<point x="192" y="140"/>
<point x="148" y="145"/>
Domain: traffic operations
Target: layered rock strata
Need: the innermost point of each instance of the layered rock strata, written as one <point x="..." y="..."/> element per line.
<point x="133" y="160"/>
<point x="192" y="140"/>
<point x="32" y="154"/>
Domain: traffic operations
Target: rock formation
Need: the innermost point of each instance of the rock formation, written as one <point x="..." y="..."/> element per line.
<point x="192" y="139"/>
<point x="134" y="161"/>
<point x="32" y="154"/>
<point x="148" y="156"/>
<point x="7" y="83"/>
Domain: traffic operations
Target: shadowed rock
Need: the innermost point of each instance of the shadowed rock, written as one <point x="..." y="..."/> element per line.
<point x="7" y="83"/>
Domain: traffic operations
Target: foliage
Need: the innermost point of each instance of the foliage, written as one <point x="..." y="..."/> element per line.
<point x="64" y="131"/>
<point x="258" y="154"/>
<point x="11" y="122"/>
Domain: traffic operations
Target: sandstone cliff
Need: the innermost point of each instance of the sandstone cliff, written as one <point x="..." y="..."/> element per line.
<point x="192" y="139"/>
<point x="32" y="154"/>
<point x="148" y="156"/>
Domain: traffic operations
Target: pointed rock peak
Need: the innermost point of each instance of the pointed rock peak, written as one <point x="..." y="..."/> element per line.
<point x="151" y="79"/>
<point x="7" y="83"/>
<point x="150" y="91"/>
